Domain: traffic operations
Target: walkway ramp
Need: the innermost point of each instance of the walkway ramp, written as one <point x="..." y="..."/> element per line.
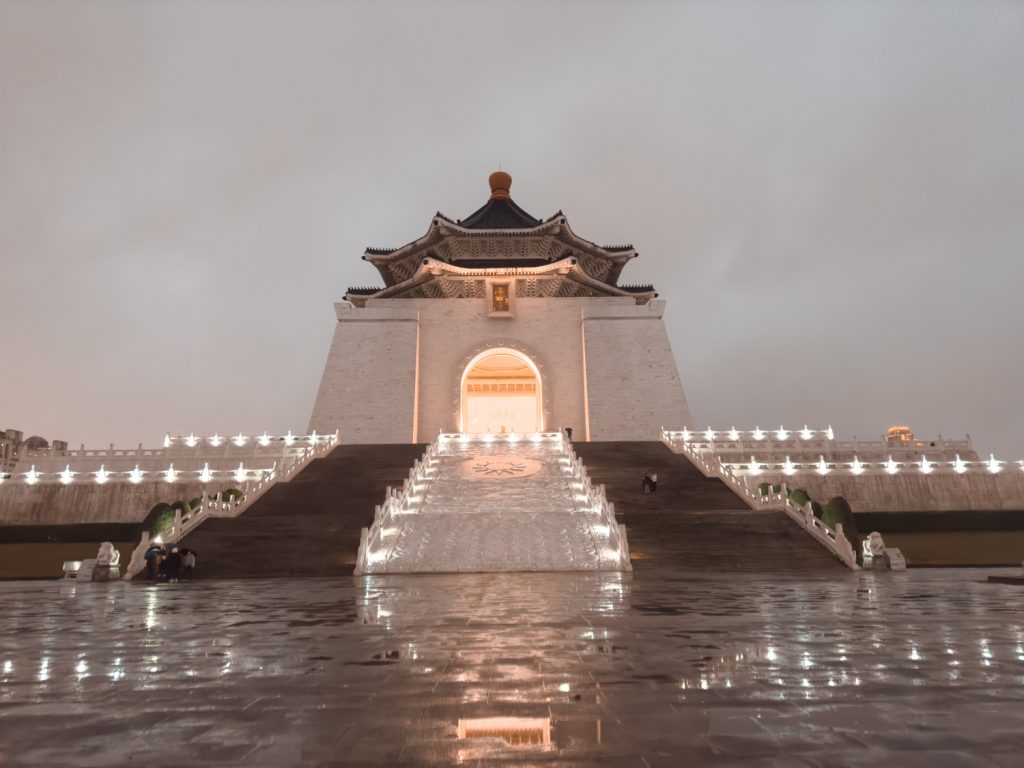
<point x="481" y="503"/>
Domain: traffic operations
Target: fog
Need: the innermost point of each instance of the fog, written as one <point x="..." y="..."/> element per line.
<point x="829" y="196"/>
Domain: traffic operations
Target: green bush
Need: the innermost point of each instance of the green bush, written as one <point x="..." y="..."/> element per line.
<point x="763" y="488"/>
<point x="163" y="521"/>
<point x="799" y="496"/>
<point x="838" y="511"/>
<point x="230" y="494"/>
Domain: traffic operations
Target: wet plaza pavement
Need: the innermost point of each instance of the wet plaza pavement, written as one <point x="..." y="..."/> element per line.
<point x="924" y="668"/>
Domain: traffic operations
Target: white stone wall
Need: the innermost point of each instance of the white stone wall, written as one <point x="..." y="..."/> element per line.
<point x="56" y="504"/>
<point x="368" y="389"/>
<point x="633" y="384"/>
<point x="915" y="492"/>
<point x="372" y="384"/>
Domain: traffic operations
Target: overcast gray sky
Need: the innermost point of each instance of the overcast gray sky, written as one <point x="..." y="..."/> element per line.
<point x="830" y="196"/>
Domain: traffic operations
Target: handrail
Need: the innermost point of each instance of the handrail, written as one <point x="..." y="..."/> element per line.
<point x="834" y="541"/>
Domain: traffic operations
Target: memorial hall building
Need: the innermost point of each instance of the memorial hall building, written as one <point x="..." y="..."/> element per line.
<point x="500" y="323"/>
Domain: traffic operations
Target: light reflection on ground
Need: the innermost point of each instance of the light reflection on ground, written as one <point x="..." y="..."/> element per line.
<point x="922" y="668"/>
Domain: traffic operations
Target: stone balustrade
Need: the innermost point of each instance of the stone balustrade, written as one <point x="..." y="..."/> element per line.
<point x="803" y="442"/>
<point x="824" y="465"/>
<point x="181" y="460"/>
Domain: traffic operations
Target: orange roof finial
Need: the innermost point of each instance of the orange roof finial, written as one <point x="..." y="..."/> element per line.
<point x="500" y="183"/>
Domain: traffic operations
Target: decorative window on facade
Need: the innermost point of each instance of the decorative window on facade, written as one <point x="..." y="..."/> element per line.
<point x="500" y="298"/>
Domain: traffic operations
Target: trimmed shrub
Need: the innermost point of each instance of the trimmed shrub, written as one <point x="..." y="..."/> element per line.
<point x="838" y="511"/>
<point x="799" y="496"/>
<point x="763" y="488"/>
<point x="230" y="494"/>
<point x="163" y="521"/>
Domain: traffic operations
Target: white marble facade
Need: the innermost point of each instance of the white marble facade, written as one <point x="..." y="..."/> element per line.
<point x="395" y="366"/>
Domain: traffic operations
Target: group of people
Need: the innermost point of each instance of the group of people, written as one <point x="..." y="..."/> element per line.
<point x="174" y="565"/>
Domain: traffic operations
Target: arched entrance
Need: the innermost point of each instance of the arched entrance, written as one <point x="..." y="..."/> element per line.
<point x="501" y="392"/>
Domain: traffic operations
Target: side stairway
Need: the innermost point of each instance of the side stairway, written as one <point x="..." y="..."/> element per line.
<point x="693" y="522"/>
<point x="308" y="526"/>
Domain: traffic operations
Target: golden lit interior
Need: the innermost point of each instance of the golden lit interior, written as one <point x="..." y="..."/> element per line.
<point x="500" y="394"/>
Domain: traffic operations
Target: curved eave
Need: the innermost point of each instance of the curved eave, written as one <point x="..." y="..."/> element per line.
<point x="557" y="225"/>
<point x="568" y="267"/>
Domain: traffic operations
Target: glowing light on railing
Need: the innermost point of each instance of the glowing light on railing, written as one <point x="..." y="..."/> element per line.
<point x="32" y="477"/>
<point x="216" y="440"/>
<point x="240" y="473"/>
<point x="66" y="475"/>
<point x="805" y="433"/>
<point x="686" y="435"/>
<point x="959" y="466"/>
<point x="264" y="439"/>
<point x="822" y="466"/>
<point x="135" y="476"/>
<point x="734" y="434"/>
<point x="758" y="434"/>
<point x="170" y="474"/>
<point x="781" y="433"/>
<point x="754" y="467"/>
<point x="927" y="467"/>
<point x="312" y="438"/>
<point x="857" y="468"/>
<point x="204" y="474"/>
<point x="993" y="463"/>
<point x="891" y="466"/>
<point x="788" y="468"/>
<point x="167" y="440"/>
<point x="239" y="439"/>
<point x="709" y="433"/>
<point x="289" y="438"/>
<point x="191" y="441"/>
<point x="829" y="434"/>
<point x="102" y="475"/>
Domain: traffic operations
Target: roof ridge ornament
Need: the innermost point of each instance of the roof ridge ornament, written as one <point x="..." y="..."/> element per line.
<point x="501" y="183"/>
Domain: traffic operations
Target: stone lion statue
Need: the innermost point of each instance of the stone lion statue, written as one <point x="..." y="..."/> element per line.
<point x="108" y="555"/>
<point x="875" y="545"/>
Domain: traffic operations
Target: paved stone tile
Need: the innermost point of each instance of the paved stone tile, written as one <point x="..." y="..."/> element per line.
<point x="918" y="669"/>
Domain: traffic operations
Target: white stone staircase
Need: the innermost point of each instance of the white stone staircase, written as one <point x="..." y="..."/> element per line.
<point x="479" y="503"/>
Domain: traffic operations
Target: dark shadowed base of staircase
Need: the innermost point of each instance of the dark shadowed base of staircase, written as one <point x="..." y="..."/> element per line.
<point x="692" y="522"/>
<point x="310" y="525"/>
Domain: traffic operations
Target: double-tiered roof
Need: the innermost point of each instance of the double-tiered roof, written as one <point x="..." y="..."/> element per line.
<point x="455" y="257"/>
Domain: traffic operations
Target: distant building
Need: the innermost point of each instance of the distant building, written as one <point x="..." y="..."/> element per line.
<point x="14" y="446"/>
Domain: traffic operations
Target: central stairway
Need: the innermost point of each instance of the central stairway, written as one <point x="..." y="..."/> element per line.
<point x="482" y="503"/>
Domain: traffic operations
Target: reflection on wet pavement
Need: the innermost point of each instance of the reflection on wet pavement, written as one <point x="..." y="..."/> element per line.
<point x="922" y="668"/>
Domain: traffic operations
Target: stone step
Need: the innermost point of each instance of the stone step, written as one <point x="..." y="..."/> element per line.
<point x="694" y="522"/>
<point x="310" y="525"/>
